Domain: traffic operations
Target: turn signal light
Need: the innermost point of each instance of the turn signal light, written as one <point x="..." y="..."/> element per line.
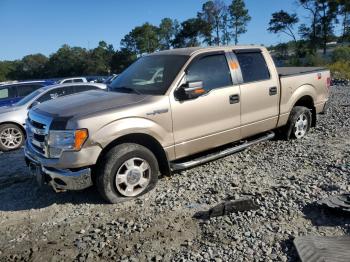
<point x="80" y="137"/>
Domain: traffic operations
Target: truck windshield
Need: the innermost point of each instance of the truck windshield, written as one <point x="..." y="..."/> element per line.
<point x="149" y="75"/>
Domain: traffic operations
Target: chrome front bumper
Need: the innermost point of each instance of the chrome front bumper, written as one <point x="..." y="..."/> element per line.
<point x="58" y="179"/>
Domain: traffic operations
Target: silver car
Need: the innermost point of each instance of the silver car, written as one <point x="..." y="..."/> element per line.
<point x="12" y="118"/>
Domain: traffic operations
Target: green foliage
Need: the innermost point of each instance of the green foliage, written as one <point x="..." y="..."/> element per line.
<point x="67" y="61"/>
<point x="341" y="54"/>
<point x="6" y="69"/>
<point x="121" y="60"/>
<point x="240" y="17"/>
<point x="99" y="59"/>
<point x="323" y="14"/>
<point x="142" y="39"/>
<point x="190" y="32"/>
<point x="166" y="32"/>
<point x="340" y="69"/>
<point x="211" y="16"/>
<point x="282" y="22"/>
<point x="314" y="60"/>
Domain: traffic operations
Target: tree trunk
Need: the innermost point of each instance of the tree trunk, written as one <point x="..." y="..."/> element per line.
<point x="236" y="35"/>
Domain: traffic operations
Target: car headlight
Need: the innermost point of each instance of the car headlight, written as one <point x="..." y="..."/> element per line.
<point x="66" y="140"/>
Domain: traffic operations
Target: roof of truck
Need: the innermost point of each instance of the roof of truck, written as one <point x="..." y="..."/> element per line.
<point x="189" y="51"/>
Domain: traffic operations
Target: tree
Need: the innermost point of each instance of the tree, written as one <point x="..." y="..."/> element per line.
<point x="8" y="70"/>
<point x="67" y="61"/>
<point x="226" y="35"/>
<point x="323" y="15"/>
<point x="328" y="14"/>
<point x="122" y="59"/>
<point x="142" y="39"/>
<point x="345" y="13"/>
<point x="282" y="22"/>
<point x="239" y="18"/>
<point x="189" y="33"/>
<point x="166" y="32"/>
<point x="312" y="7"/>
<point x="31" y="67"/>
<point x="99" y="59"/>
<point x="211" y="15"/>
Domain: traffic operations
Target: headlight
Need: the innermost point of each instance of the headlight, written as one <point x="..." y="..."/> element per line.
<point x="66" y="140"/>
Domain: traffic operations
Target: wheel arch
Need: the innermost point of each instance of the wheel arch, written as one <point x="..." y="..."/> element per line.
<point x="16" y="124"/>
<point x="145" y="140"/>
<point x="308" y="102"/>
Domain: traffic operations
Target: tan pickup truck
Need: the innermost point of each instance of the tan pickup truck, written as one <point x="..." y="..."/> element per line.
<point x="169" y="111"/>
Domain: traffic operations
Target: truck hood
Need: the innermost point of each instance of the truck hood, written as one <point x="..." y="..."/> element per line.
<point x="86" y="103"/>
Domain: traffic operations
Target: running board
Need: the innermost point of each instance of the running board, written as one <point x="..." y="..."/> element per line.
<point x="220" y="154"/>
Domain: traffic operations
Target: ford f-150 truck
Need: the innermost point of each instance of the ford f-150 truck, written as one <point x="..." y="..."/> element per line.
<point x="168" y="111"/>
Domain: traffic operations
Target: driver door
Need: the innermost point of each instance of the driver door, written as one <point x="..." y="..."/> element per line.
<point x="212" y="119"/>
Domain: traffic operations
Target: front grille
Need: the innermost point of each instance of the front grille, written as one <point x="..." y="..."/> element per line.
<point x="37" y="132"/>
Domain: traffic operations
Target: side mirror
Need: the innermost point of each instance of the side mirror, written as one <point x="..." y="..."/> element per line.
<point x="35" y="103"/>
<point x="190" y="90"/>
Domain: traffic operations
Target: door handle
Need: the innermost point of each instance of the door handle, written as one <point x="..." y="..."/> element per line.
<point x="234" y="99"/>
<point x="273" y="91"/>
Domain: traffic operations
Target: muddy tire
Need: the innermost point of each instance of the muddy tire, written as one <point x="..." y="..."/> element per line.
<point x="11" y="137"/>
<point x="299" y="123"/>
<point x="126" y="172"/>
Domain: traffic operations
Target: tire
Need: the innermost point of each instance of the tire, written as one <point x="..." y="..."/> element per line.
<point x="299" y="123"/>
<point x="126" y="172"/>
<point x="11" y="137"/>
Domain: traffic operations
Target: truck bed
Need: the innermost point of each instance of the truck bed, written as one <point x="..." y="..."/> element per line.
<point x="291" y="71"/>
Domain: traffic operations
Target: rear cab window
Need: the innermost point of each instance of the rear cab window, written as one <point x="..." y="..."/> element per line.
<point x="253" y="66"/>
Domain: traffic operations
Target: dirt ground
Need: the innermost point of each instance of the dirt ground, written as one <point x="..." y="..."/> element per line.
<point x="284" y="177"/>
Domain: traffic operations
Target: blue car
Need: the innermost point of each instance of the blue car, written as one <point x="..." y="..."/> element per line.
<point x="12" y="93"/>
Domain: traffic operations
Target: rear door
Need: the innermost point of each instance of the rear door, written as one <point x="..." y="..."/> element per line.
<point x="212" y="119"/>
<point x="259" y="92"/>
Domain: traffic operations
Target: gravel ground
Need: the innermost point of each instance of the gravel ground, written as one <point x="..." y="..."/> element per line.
<point x="285" y="178"/>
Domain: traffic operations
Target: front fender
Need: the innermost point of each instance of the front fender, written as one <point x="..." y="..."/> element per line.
<point x="126" y="126"/>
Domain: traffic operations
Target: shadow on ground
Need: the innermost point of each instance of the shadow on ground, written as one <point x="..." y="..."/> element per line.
<point x="321" y="216"/>
<point x="27" y="195"/>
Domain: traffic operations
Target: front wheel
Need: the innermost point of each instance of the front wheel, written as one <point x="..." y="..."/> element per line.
<point x="127" y="171"/>
<point x="11" y="137"/>
<point x="299" y="123"/>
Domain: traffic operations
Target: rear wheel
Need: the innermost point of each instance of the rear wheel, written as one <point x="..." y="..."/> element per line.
<point x="299" y="123"/>
<point x="11" y="137"/>
<point x="127" y="171"/>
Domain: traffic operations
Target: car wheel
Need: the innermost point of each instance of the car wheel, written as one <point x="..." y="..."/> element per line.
<point x="126" y="172"/>
<point x="299" y="123"/>
<point x="11" y="137"/>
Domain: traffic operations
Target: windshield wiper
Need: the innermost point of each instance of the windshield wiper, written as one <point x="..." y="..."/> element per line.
<point x="127" y="89"/>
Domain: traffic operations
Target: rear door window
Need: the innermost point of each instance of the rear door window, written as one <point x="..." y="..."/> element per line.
<point x="4" y="93"/>
<point x="78" y="89"/>
<point x="24" y="90"/>
<point x="7" y="92"/>
<point x="212" y="70"/>
<point x="56" y="93"/>
<point x="253" y="67"/>
<point x="78" y="80"/>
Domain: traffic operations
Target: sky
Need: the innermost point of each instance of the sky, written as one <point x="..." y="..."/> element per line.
<point x="43" y="26"/>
